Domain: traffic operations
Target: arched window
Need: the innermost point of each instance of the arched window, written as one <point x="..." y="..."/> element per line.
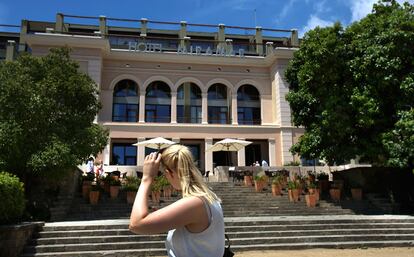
<point x="219" y="105"/>
<point x="248" y="106"/>
<point x="189" y="103"/>
<point x="158" y="102"/>
<point x="125" y="105"/>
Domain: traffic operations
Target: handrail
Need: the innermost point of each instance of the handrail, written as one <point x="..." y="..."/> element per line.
<point x="9" y="25"/>
<point x="176" y="23"/>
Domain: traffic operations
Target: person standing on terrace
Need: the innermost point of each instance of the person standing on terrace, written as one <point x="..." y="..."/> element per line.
<point x="195" y="223"/>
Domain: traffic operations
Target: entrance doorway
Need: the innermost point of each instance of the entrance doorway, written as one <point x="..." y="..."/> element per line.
<point x="253" y="154"/>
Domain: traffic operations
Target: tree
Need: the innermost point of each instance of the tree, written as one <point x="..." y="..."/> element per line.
<point x="348" y="87"/>
<point x="46" y="115"/>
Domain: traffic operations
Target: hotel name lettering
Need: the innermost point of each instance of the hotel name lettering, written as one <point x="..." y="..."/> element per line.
<point x="193" y="50"/>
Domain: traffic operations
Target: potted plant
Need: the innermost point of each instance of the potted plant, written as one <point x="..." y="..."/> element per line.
<point x="131" y="187"/>
<point x="313" y="189"/>
<point x="335" y="194"/>
<point x="247" y="179"/>
<point x="323" y="180"/>
<point x="313" y="195"/>
<point x="258" y="183"/>
<point x="87" y="180"/>
<point x="107" y="183"/>
<point x="156" y="190"/>
<point x="94" y="194"/>
<point x="165" y="187"/>
<point x="277" y="185"/>
<point x="293" y="191"/>
<point x="356" y="191"/>
<point x="115" y="184"/>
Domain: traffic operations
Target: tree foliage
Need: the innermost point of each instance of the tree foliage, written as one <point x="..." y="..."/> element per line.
<point x="353" y="89"/>
<point x="46" y="115"/>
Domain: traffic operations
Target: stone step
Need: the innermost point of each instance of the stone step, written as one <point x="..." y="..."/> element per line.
<point x="123" y="230"/>
<point x="134" y="244"/>
<point x="235" y="248"/>
<point x="127" y="236"/>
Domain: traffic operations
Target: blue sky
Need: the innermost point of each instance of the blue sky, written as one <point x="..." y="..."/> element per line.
<point x="277" y="14"/>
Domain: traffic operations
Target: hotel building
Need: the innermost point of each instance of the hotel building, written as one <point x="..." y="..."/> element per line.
<point x="191" y="83"/>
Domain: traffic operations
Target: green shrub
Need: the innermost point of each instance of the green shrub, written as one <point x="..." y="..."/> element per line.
<point x="12" y="203"/>
<point x="131" y="183"/>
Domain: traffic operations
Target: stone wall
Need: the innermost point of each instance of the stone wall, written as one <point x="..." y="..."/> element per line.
<point x="13" y="238"/>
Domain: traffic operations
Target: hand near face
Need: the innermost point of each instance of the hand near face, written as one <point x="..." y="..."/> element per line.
<point x="151" y="166"/>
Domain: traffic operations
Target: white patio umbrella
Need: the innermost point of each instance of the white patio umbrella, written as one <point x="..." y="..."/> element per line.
<point x="156" y="143"/>
<point x="229" y="144"/>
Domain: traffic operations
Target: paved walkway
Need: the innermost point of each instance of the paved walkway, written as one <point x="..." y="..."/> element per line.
<point x="370" y="252"/>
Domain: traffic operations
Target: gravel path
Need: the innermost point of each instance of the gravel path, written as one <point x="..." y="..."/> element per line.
<point x="370" y="252"/>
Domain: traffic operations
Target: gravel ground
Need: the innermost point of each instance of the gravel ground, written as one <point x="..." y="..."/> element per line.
<point x="369" y="252"/>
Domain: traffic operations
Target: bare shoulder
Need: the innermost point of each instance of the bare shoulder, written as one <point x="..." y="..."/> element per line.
<point x="191" y="201"/>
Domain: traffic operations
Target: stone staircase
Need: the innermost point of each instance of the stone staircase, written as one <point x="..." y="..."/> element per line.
<point x="254" y="221"/>
<point x="237" y="201"/>
<point x="112" y="237"/>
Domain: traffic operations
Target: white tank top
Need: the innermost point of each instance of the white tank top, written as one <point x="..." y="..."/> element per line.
<point x="208" y="243"/>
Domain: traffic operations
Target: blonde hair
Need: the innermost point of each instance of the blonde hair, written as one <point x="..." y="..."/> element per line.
<point x="179" y="158"/>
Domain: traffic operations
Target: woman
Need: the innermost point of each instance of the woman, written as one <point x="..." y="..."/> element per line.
<point x="194" y="223"/>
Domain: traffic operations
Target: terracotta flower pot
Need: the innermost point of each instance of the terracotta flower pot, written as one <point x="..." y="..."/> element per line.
<point x="114" y="191"/>
<point x="258" y="186"/>
<point x="131" y="196"/>
<point x="248" y="181"/>
<point x="323" y="185"/>
<point x="293" y="195"/>
<point x="335" y="194"/>
<point x="86" y="188"/>
<point x="276" y="189"/>
<point x="310" y="200"/>
<point x="155" y="197"/>
<point x="93" y="197"/>
<point x="356" y="194"/>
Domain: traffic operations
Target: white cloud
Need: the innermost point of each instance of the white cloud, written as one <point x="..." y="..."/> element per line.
<point x="285" y="10"/>
<point x="361" y="8"/>
<point x="313" y="22"/>
<point x="321" y="7"/>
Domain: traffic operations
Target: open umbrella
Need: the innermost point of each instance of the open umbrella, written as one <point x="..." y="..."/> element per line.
<point x="229" y="144"/>
<point x="156" y="143"/>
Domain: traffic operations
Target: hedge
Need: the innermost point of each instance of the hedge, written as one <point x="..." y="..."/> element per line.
<point x="12" y="199"/>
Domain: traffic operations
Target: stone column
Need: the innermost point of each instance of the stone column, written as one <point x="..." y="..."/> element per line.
<point x="144" y="22"/>
<point x="259" y="41"/>
<point x="269" y="48"/>
<point x="182" y="33"/>
<point x="221" y="37"/>
<point x="10" y="50"/>
<point x="23" y="33"/>
<point x="234" y="119"/>
<point x="272" y="152"/>
<point x="173" y="107"/>
<point x="241" y="155"/>
<point x="229" y="47"/>
<point x="208" y="157"/>
<point x="142" y="106"/>
<point x="102" y="26"/>
<point x="286" y="143"/>
<point x="140" y="152"/>
<point x="204" y="108"/>
<point x="107" y="153"/>
<point x="59" y="25"/>
<point x="294" y="38"/>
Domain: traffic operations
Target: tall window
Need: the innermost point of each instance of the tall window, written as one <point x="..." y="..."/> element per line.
<point x="125" y="101"/>
<point x="124" y="154"/>
<point x="218" y="105"/>
<point x="248" y="106"/>
<point x="189" y="103"/>
<point x="158" y="103"/>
